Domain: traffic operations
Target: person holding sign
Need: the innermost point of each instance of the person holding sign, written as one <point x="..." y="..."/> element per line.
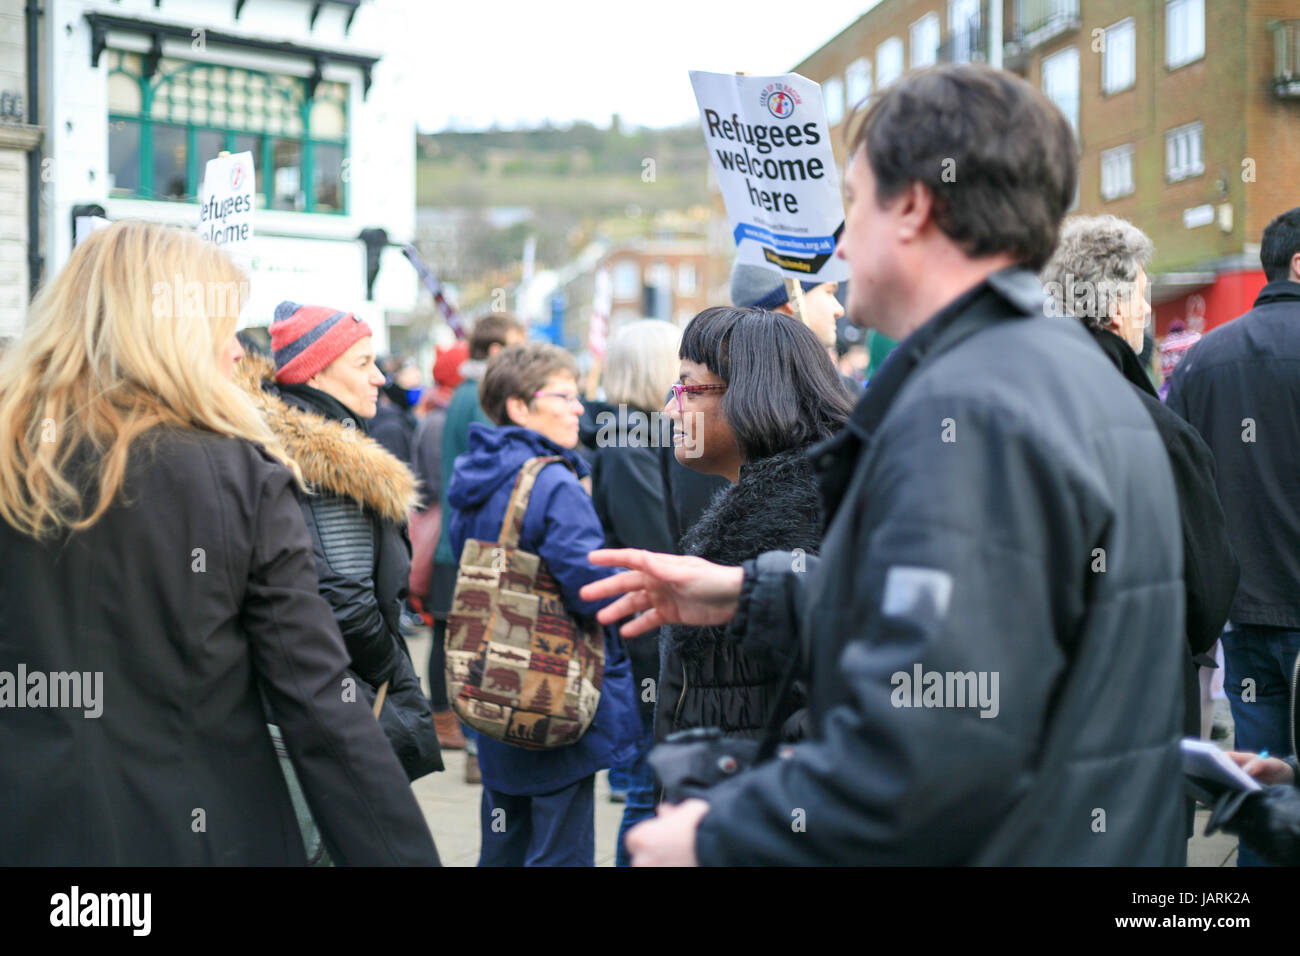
<point x="758" y="288"/>
<point x="970" y="497"/>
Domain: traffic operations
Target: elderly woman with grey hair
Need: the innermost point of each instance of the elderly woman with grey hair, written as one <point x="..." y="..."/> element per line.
<point x="1098" y="275"/>
<point x="631" y="501"/>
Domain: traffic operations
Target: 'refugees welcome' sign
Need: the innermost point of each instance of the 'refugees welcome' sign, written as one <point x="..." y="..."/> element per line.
<point x="770" y="146"/>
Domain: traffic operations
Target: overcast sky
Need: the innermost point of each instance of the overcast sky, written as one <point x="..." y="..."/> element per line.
<point x="519" y="62"/>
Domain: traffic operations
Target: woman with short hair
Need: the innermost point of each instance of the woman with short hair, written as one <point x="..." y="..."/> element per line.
<point x="545" y="797"/>
<point x="757" y="389"/>
<point x="155" y="549"/>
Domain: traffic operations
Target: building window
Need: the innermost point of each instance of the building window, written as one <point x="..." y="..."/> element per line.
<point x="627" y="280"/>
<point x="1184" y="32"/>
<point x="1184" y="152"/>
<point x="1117" y="172"/>
<point x="964" y="28"/>
<point x="833" y="93"/>
<point x="857" y="82"/>
<point x="924" y="40"/>
<point x="1061" y="83"/>
<point x="1119" y="57"/>
<point x="889" y="62"/>
<point x="163" y="129"/>
<point x="686" y="279"/>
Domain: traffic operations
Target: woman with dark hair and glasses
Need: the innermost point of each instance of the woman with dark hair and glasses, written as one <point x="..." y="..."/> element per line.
<point x="757" y="389"/>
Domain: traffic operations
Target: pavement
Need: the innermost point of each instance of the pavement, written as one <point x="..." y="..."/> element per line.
<point x="451" y="806"/>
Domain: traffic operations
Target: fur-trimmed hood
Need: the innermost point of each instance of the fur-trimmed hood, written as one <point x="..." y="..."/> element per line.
<point x="334" y="459"/>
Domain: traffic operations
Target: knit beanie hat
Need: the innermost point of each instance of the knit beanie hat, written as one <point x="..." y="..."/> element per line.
<point x="446" y="367"/>
<point x="760" y="288"/>
<point x="306" y="338"/>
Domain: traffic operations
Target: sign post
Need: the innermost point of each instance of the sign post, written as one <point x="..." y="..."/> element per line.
<point x="769" y="142"/>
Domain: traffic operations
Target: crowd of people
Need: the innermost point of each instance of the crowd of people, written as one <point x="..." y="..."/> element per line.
<point x="960" y="616"/>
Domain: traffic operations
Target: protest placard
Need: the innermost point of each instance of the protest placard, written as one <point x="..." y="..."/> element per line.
<point x="226" y="201"/>
<point x="770" y="146"/>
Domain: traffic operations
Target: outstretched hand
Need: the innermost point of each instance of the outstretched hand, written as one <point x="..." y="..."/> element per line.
<point x="669" y="588"/>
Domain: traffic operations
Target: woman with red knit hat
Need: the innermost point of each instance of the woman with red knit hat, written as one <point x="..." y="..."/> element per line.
<point x="316" y="397"/>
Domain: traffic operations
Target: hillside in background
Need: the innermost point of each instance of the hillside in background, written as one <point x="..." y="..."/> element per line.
<point x="582" y="169"/>
<point x="575" y="182"/>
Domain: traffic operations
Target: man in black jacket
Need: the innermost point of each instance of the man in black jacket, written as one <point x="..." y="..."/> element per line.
<point x="980" y="691"/>
<point x="1240" y="387"/>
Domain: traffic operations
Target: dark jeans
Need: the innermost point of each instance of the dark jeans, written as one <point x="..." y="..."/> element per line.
<point x="550" y="829"/>
<point x="1258" y="666"/>
<point x="438" y="667"/>
<point x="442" y="586"/>
<point x="639" y="782"/>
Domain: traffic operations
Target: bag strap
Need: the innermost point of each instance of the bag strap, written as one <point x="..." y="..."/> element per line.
<point x="512" y="524"/>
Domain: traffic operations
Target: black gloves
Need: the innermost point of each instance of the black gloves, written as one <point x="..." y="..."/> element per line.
<point x="1268" y="822"/>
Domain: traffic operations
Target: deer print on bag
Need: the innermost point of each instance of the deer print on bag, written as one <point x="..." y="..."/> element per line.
<point x="515" y="620"/>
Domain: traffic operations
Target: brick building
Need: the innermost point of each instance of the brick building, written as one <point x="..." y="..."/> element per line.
<point x="1187" y="111"/>
<point x="661" y="278"/>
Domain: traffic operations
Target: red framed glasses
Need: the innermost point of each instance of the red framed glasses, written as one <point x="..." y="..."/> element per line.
<point x="678" y="388"/>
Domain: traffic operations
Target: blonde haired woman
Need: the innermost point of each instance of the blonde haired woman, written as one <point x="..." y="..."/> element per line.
<point x="158" y="572"/>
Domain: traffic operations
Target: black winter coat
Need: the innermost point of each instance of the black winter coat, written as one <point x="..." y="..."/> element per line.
<point x="196" y="587"/>
<point x="628" y="493"/>
<point x="1239" y="386"/>
<point x="990" y="457"/>
<point x="706" y="679"/>
<point x="394" y="428"/>
<point x="1210" y="566"/>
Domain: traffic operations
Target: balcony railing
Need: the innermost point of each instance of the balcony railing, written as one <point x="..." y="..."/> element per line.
<point x="966" y="43"/>
<point x="1038" y="21"/>
<point x="1286" y="58"/>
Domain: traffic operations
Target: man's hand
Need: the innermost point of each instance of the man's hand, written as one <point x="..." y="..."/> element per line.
<point x="669" y="838"/>
<point x="670" y="588"/>
<point x="1263" y="769"/>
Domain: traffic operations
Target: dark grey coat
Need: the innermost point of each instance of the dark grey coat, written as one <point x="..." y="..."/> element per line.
<point x="968" y="498"/>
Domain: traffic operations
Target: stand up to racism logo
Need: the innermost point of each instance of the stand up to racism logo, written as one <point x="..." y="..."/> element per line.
<point x="779" y="99"/>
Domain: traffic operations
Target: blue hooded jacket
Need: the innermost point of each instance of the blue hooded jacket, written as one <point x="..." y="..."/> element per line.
<point x="561" y="526"/>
